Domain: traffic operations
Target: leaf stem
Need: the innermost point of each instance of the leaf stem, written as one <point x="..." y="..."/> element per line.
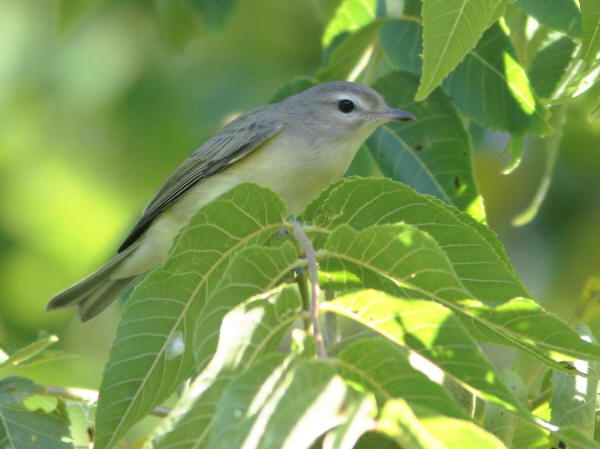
<point x="310" y="254"/>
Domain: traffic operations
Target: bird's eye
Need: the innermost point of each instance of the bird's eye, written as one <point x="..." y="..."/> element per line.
<point x="345" y="106"/>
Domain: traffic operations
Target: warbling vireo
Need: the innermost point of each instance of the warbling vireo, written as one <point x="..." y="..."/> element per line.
<point x="296" y="147"/>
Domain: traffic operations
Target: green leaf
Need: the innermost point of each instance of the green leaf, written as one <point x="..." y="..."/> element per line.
<point x="572" y="439"/>
<point x="292" y="88"/>
<point x="383" y="368"/>
<point x="442" y="275"/>
<point x="249" y="331"/>
<point x="432" y="432"/>
<point x="214" y="12"/>
<point x="515" y="149"/>
<point x="506" y="101"/>
<point x="29" y="352"/>
<point x="359" y="421"/>
<point x="561" y="15"/>
<point x="532" y="328"/>
<point x="549" y="67"/>
<point x="498" y="420"/>
<point x="435" y="333"/>
<point x="477" y="257"/>
<point x="451" y="30"/>
<point x="255" y="410"/>
<point x="349" y="16"/>
<point x="346" y="59"/>
<point x="590" y="25"/>
<point x="459" y="434"/>
<point x="253" y="270"/>
<point x="432" y="153"/>
<point x="152" y="353"/>
<point x="401" y="41"/>
<point x="573" y="400"/>
<point x="21" y="428"/>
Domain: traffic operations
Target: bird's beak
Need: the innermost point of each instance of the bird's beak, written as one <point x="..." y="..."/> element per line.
<point x="395" y="115"/>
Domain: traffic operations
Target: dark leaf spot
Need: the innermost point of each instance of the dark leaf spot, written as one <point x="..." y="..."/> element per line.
<point x="562" y="445"/>
<point x="418" y="147"/>
<point x="457" y="182"/>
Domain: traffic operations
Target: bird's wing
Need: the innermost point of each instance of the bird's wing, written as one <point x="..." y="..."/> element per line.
<point x="235" y="141"/>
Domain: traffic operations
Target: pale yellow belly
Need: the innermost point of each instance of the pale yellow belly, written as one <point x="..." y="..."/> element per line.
<point x="298" y="178"/>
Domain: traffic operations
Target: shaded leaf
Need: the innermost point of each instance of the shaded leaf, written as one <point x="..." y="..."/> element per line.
<point x="492" y="88"/>
<point x="21" y="428"/>
<point x="498" y="420"/>
<point x="349" y="16"/>
<point x="590" y="24"/>
<point x="347" y="57"/>
<point x="451" y="29"/>
<point x="549" y="66"/>
<point x="561" y="15"/>
<point x="515" y="149"/>
<point x="432" y="153"/>
<point x="152" y="353"/>
<point x="503" y="98"/>
<point x="573" y="400"/>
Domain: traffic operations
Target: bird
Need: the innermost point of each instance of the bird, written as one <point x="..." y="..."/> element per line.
<point x="296" y="147"/>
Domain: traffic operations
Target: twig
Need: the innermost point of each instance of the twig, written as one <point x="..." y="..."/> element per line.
<point x="309" y="253"/>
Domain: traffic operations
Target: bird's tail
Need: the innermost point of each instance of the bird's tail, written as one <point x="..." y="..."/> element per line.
<point x="98" y="290"/>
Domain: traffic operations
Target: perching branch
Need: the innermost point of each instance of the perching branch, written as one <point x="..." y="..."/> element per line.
<point x="310" y="254"/>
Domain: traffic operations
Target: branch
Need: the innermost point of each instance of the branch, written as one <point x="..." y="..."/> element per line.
<point x="310" y="254"/>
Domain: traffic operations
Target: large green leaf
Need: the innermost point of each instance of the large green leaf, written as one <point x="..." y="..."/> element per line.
<point x="349" y="16"/>
<point x="451" y="30"/>
<point x="253" y="270"/>
<point x="466" y="262"/>
<point x="432" y="153"/>
<point x="21" y="428"/>
<point x="286" y="406"/>
<point x="435" y="333"/>
<point x="477" y="257"/>
<point x="562" y="15"/>
<point x="152" y="353"/>
<point x="504" y="101"/>
<point x="383" y="368"/>
<point x="573" y="401"/>
<point x="248" y="332"/>
<point x="432" y="432"/>
<point x="590" y="24"/>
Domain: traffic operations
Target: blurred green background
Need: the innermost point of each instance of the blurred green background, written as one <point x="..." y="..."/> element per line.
<point x="101" y="100"/>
